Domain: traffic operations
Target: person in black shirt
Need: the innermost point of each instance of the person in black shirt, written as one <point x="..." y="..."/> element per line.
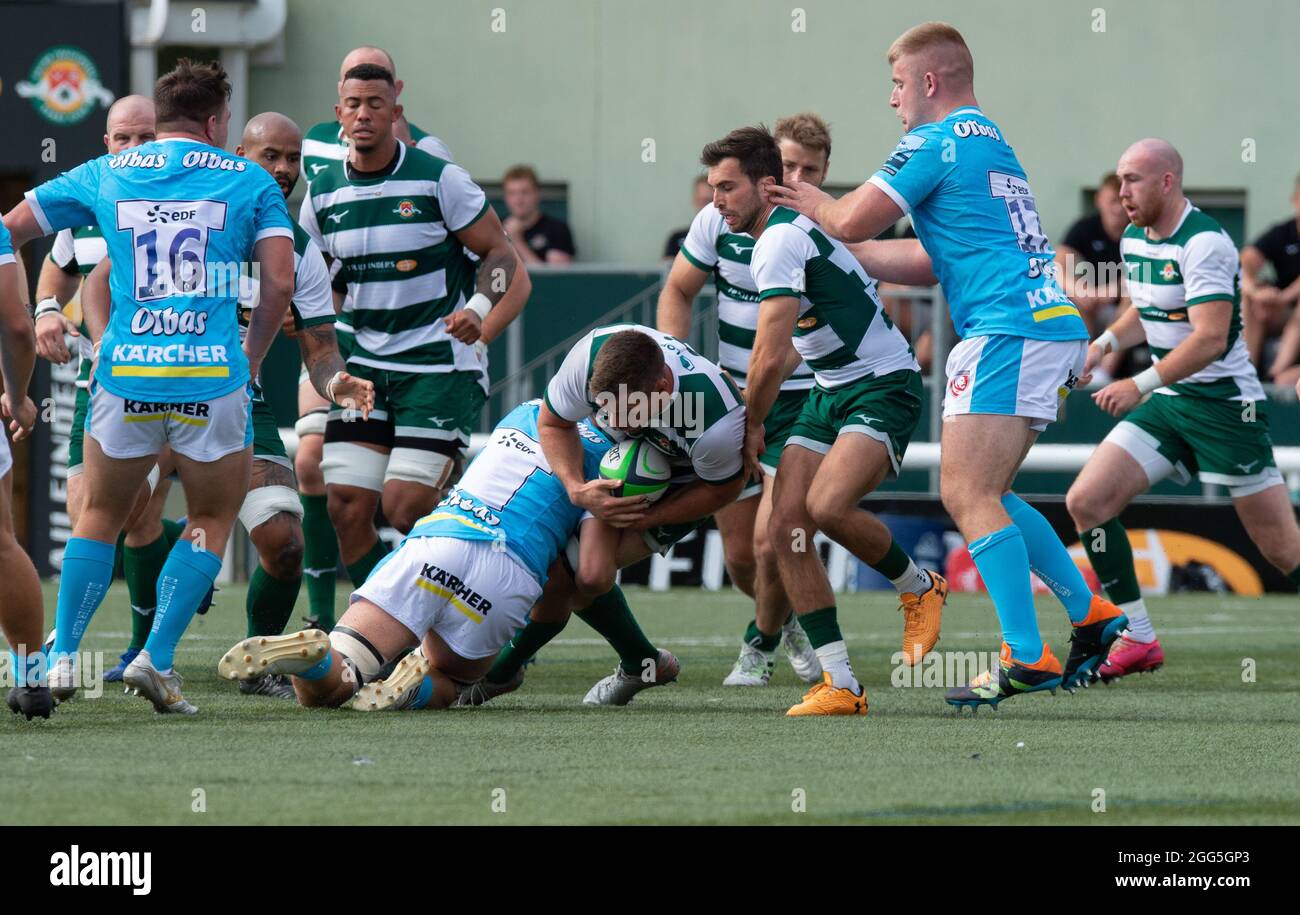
<point x="539" y="239"/>
<point x="701" y="196"/>
<point x="1271" y="307"/>
<point x="1089" y="258"/>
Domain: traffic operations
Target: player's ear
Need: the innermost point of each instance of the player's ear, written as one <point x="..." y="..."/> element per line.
<point x="239" y="151"/>
<point x="397" y="113"/>
<point x="398" y="87"/>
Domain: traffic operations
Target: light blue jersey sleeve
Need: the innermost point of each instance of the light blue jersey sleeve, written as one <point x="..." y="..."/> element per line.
<point x="6" y="246"/>
<point x="915" y="168"/>
<point x="67" y="201"/>
<point x="272" y="215"/>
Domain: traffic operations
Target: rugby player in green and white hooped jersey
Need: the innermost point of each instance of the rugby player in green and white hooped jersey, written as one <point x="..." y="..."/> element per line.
<point x="325" y="143"/>
<point x="852" y="432"/>
<point x="149" y="536"/>
<point x="711" y="248"/>
<point x="1199" y="410"/>
<point x="399" y="222"/>
<point x="688" y="408"/>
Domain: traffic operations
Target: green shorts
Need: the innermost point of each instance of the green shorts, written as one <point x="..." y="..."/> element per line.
<point x="776" y="429"/>
<point x="417" y="411"/>
<point x="77" y="434"/>
<point x="1225" y="442"/>
<point x="267" y="444"/>
<point x="886" y="408"/>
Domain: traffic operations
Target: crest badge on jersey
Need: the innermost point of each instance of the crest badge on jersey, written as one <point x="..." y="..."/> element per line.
<point x="406" y="209"/>
<point x="64" y="85"/>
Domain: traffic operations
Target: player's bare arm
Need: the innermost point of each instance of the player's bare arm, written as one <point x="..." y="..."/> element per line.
<point x="51" y="326"/>
<point x="691" y="502"/>
<point x="1209" y="338"/>
<point x="770" y="363"/>
<point x="563" y="450"/>
<point x="328" y="373"/>
<point x="274" y="258"/>
<point x="501" y="279"/>
<point x="1125" y="332"/>
<point x="676" y="299"/>
<point x="17" y="354"/>
<point x="895" y="260"/>
<point x="860" y="215"/>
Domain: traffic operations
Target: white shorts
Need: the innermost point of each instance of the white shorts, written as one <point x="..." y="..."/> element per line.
<point x="6" y="457"/>
<point x="202" y="431"/>
<point x="474" y="596"/>
<point x="1012" y="376"/>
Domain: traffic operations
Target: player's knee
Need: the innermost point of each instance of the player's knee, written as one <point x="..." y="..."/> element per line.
<point x="282" y="553"/>
<point x="827" y="515"/>
<point x="1086" y="508"/>
<point x="306" y="466"/>
<point x="402" y="511"/>
<point x="347" y="510"/>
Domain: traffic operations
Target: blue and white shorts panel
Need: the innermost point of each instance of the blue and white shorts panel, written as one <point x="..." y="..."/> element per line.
<point x="201" y="431"/>
<point x="1012" y="376"/>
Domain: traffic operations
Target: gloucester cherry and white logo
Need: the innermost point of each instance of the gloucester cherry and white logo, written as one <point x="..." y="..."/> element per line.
<point x="959" y="383"/>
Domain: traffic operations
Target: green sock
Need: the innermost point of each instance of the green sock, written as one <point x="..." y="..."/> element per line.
<point x="821" y="626"/>
<point x="119" y="556"/>
<point x="754" y="636"/>
<point x="1294" y="575"/>
<point x="1111" y="556"/>
<point x="172" y="530"/>
<point x="320" y="558"/>
<point x="610" y="615"/>
<point x="270" y="602"/>
<point x="526" y="643"/>
<point x="360" y="570"/>
<point x="894" y="563"/>
<point x="142" y="566"/>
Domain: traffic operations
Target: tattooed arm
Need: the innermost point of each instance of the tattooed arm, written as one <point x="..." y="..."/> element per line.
<point x="501" y="278"/>
<point x="325" y="367"/>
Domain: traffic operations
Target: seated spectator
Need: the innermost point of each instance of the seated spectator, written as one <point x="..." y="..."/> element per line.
<point x="1267" y="306"/>
<point x="701" y="195"/>
<point x="539" y="238"/>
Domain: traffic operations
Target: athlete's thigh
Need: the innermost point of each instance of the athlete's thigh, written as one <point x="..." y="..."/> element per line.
<point x="1113" y="476"/>
<point x="443" y="658"/>
<point x="215" y="489"/>
<point x="855" y="465"/>
<point x="981" y="452"/>
<point x="793" y="480"/>
<point x="1267" y="515"/>
<point x="736" y="521"/>
<point x="376" y="625"/>
<point x="112" y="484"/>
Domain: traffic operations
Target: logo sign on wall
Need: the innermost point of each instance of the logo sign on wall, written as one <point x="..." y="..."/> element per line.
<point x="64" y="85"/>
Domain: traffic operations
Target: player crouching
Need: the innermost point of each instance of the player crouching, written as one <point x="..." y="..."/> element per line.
<point x="459" y="585"/>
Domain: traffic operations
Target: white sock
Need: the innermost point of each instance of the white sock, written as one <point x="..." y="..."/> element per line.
<point x="914" y="581"/>
<point x="1139" y="624"/>
<point x="835" y="661"/>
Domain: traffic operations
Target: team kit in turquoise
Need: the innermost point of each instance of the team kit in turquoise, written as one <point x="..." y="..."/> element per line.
<point x="447" y="617"/>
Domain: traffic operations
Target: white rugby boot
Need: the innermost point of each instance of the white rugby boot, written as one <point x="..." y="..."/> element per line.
<point x="162" y="689"/>
<point x="799" y="651"/>
<point x="619" y="687"/>
<point x="398" y="689"/>
<point x="260" y="655"/>
<point x="752" y="668"/>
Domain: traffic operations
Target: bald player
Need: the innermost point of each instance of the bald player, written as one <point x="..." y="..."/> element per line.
<point x="148" y="536"/>
<point x="1022" y="348"/>
<point x="272" y="512"/>
<point x="1200" y="409"/>
<point x="324" y="144"/>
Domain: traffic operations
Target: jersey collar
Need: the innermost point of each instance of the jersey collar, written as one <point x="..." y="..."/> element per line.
<point x="1187" y="210"/>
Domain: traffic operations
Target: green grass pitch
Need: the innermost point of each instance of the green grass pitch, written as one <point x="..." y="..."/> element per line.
<point x="1194" y="743"/>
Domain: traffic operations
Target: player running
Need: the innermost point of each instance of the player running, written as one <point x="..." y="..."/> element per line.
<point x="459" y="584"/>
<point x="22" y="609"/>
<point x="181" y="217"/>
<point x="819" y="305"/>
<point x="272" y="512"/>
<point x="326" y="143"/>
<point x="1022" y="349"/>
<point x="76" y="252"/>
<point x="396" y="219"/>
<point x="1208" y="415"/>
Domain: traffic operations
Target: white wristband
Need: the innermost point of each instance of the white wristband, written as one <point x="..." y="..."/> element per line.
<point x="480" y="305"/>
<point x="46" y="306"/>
<point x="1148" y="380"/>
<point x="329" y="386"/>
<point x="1108" y="342"/>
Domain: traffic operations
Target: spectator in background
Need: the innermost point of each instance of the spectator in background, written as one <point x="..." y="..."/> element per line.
<point x="539" y="238"/>
<point x="1092" y="270"/>
<point x="701" y="196"/>
<point x="1269" y="308"/>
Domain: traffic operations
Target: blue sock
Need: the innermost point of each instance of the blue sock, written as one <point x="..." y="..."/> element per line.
<point x="183" y="582"/>
<point x="83" y="582"/>
<point x="1003" y="563"/>
<point x="318" y="670"/>
<point x="1049" y="558"/>
<point x="29" y="669"/>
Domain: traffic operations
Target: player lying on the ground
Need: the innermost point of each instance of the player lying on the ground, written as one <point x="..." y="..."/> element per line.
<point x="22" y="610"/>
<point x="1022" y="345"/>
<point x="636" y="381"/>
<point x="171" y="369"/>
<point x="819" y="303"/>
<point x="458" y="585"/>
<point x="1199" y="410"/>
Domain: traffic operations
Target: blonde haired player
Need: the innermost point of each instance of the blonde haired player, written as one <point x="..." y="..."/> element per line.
<point x="1023" y="341"/>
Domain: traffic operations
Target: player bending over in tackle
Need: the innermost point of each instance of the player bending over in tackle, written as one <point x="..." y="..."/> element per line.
<point x="1022" y="341"/>
<point x="1199" y="410"/>
<point x="852" y="430"/>
<point x="459" y="584"/>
